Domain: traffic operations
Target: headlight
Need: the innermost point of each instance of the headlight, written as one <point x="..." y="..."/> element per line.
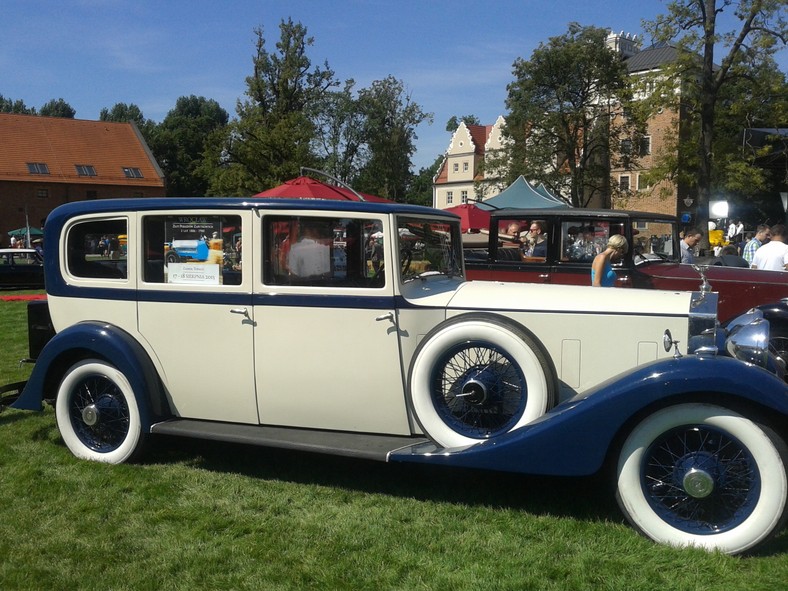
<point x="748" y="338"/>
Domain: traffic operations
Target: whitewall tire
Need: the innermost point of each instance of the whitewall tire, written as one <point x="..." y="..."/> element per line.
<point x="703" y="475"/>
<point x="478" y="376"/>
<point x="97" y="413"/>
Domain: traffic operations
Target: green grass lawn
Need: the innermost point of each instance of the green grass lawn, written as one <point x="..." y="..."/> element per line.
<point x="201" y="515"/>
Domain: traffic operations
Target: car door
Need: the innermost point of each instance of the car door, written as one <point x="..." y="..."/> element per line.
<point x="326" y="350"/>
<point x="195" y="314"/>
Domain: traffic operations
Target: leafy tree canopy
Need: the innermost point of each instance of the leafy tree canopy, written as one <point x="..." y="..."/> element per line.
<point x="16" y="107"/>
<point x="560" y="110"/>
<point x="57" y="108"/>
<point x="275" y="131"/>
<point x="390" y="121"/>
<point x="454" y="122"/>
<point x="718" y="85"/>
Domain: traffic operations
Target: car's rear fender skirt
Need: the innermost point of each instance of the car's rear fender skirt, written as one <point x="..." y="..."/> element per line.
<point x="98" y="341"/>
<point x="574" y="438"/>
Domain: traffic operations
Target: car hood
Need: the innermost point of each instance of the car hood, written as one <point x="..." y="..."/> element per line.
<point x="495" y="295"/>
<point x="718" y="273"/>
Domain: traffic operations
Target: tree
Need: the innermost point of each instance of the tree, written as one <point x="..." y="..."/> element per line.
<point x="692" y="25"/>
<point x="125" y="113"/>
<point x="390" y="121"/>
<point x="339" y="139"/>
<point x="57" y="108"/>
<point x="454" y="122"/>
<point x="560" y="114"/>
<point x="420" y="189"/>
<point x="181" y="139"/>
<point x="275" y="131"/>
<point x="17" y="107"/>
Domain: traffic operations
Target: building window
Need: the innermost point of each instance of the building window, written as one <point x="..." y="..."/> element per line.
<point x="91" y="195"/>
<point x="42" y="193"/>
<point x="455" y="167"/>
<point x="37" y="168"/>
<point x="623" y="183"/>
<point x="449" y="197"/>
<point x="645" y="145"/>
<point x="626" y="147"/>
<point x="132" y="173"/>
<point x="85" y="169"/>
<point x="465" y="167"/>
<point x="463" y="196"/>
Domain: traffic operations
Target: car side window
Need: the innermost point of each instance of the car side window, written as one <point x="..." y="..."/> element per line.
<point x="582" y="240"/>
<point x="323" y="251"/>
<point x="96" y="249"/>
<point x="192" y="249"/>
<point x="522" y="240"/>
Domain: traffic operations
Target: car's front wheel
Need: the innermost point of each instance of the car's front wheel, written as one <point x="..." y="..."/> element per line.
<point x="703" y="475"/>
<point x="97" y="413"/>
<point x="478" y="376"/>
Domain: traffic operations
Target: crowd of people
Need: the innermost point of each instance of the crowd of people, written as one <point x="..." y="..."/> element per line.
<point x="767" y="249"/>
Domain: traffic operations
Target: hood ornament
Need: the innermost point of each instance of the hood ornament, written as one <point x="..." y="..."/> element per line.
<point x="705" y="286"/>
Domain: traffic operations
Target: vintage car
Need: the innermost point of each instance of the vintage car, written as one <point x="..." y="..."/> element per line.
<point x="393" y="355"/>
<point x="572" y="236"/>
<point x="21" y="268"/>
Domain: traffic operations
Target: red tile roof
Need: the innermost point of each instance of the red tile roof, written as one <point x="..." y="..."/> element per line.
<point x="62" y="144"/>
<point x="479" y="135"/>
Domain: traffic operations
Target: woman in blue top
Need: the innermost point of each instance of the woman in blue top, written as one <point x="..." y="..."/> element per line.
<point x="602" y="273"/>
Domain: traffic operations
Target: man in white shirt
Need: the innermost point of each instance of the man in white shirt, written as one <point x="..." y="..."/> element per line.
<point x="772" y="256"/>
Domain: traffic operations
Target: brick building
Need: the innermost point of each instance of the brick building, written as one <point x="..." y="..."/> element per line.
<point x="48" y="161"/>
<point x="662" y="128"/>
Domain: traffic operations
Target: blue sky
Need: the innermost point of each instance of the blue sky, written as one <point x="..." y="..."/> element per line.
<point x="454" y="57"/>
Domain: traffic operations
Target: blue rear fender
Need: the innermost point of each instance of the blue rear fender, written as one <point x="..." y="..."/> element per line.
<point x="575" y="437"/>
<point x="94" y="340"/>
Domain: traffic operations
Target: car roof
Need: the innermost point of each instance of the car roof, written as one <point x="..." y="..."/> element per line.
<point x="60" y="215"/>
<point x="162" y="203"/>
<point x="578" y="212"/>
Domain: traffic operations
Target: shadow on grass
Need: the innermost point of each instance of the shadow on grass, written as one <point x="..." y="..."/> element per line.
<point x="582" y="498"/>
<point x="587" y="498"/>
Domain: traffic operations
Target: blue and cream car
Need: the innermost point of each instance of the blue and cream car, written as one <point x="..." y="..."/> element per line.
<point x="349" y="328"/>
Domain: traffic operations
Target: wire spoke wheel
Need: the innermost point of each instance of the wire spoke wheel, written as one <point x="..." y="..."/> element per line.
<point x="478" y="390"/>
<point x="98" y="414"/>
<point x="478" y="376"/>
<point x="698" y="474"/>
<point x="701" y="479"/>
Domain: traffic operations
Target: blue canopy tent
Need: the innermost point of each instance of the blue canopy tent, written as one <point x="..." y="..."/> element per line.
<point x="520" y="194"/>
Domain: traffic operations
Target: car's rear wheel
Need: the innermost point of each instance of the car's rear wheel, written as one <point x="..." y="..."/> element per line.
<point x="478" y="376"/>
<point x="97" y="413"/>
<point x="703" y="475"/>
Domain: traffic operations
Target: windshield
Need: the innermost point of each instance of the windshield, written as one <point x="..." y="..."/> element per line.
<point x="428" y="247"/>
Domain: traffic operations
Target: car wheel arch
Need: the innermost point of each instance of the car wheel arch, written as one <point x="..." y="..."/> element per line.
<point x="116" y="348"/>
<point x="752" y="410"/>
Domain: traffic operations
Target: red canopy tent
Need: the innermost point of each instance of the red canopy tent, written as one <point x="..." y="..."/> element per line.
<point x="305" y="187"/>
<point x="472" y="216"/>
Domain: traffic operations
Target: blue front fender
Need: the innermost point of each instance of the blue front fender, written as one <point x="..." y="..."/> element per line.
<point x="98" y="341"/>
<point x="574" y="438"/>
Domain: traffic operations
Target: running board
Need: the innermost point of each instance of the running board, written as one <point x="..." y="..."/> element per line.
<point x="356" y="445"/>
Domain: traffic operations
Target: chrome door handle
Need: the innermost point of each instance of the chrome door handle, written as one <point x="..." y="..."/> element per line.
<point x="241" y="311"/>
<point x="386" y="316"/>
